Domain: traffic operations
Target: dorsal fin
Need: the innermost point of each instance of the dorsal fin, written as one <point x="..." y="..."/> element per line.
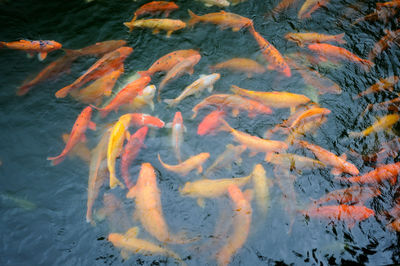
<point x="132" y="232"/>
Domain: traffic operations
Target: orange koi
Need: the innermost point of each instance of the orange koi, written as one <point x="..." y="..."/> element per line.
<point x="390" y="4"/>
<point x="383" y="43"/>
<point x="177" y="134"/>
<point x="168" y="61"/>
<point x="31" y="47"/>
<point x="187" y="166"/>
<point x="80" y="150"/>
<point x="310" y="6"/>
<point x="271" y="54"/>
<point x="349" y="214"/>
<point x="77" y="134"/>
<point x="335" y="52"/>
<point x="241" y="225"/>
<point x="237" y="103"/>
<point x="311" y="37"/>
<point x="131" y="150"/>
<point x="307" y="115"/>
<point x="140" y="120"/>
<point x="210" y="123"/>
<point x="383" y="123"/>
<point x="155" y="7"/>
<point x="100" y="48"/>
<point x="354" y="194"/>
<point x="223" y="19"/>
<point x="104" y="65"/>
<point x="126" y="95"/>
<point x="283" y="5"/>
<point x="169" y="25"/>
<point x="243" y="65"/>
<point x="382" y="85"/>
<point x="378" y="175"/>
<point x="339" y="163"/>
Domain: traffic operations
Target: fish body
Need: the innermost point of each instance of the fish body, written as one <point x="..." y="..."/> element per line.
<point x="204" y="82"/>
<point x="261" y="188"/>
<point x="274" y="99"/>
<point x="349" y="214"/>
<point x="383" y="43"/>
<point x="310" y="6"/>
<point x="241" y="225"/>
<point x="381" y="173"/>
<point x="77" y="134"/>
<point x="235" y="102"/>
<point x="242" y="65"/>
<point x="168" y="61"/>
<point x="302" y="130"/>
<point x="294" y="162"/>
<point x="353" y="194"/>
<point x="211" y="188"/>
<point x="126" y="95"/>
<point x="283" y="5"/>
<point x="187" y="166"/>
<point x="307" y="115"/>
<point x="335" y="52"/>
<point x="383" y="123"/>
<point x="271" y="54"/>
<point x="80" y="150"/>
<point x="385" y="84"/>
<point x="177" y="135"/>
<point x="130" y="152"/>
<point x="41" y="47"/>
<point x="339" y="163"/>
<point x="390" y="4"/>
<point x="104" y="65"/>
<point x="312" y="37"/>
<point x="100" y="48"/>
<point x="225" y="160"/>
<point x="219" y="3"/>
<point x="156" y="7"/>
<point x="169" y="25"/>
<point x="185" y="66"/>
<point x="223" y="19"/>
<point x="210" y="123"/>
<point x="129" y="242"/>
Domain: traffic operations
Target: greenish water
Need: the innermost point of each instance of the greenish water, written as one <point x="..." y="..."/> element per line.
<point x="43" y="207"/>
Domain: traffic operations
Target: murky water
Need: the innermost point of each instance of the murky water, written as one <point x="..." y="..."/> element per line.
<point x="43" y="207"/>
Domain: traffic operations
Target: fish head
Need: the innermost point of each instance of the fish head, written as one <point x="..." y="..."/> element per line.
<point x="204" y="156"/>
<point x="187" y="189"/>
<point x="115" y="238"/>
<point x="351" y="168"/>
<point x="153" y="121"/>
<point x="141" y="133"/>
<point x="148" y="93"/>
<point x="53" y="45"/>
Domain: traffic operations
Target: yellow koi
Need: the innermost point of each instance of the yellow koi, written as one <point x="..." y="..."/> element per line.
<point x="185" y="167"/>
<point x="383" y="123"/>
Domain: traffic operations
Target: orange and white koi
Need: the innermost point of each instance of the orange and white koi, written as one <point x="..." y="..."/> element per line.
<point x="187" y="166"/>
<point x="77" y="134"/>
<point x="383" y="123"/>
<point x="295" y="162"/>
<point x="235" y="102"/>
<point x="144" y="97"/>
<point x="204" y="82"/>
<point x="381" y="173"/>
<point x="353" y="194"/>
<point x="310" y="37"/>
<point x="241" y="65"/>
<point x="223" y="19"/>
<point x="31" y="47"/>
<point x="140" y="120"/>
<point x="271" y="54"/>
<point x="156" y="7"/>
<point x="157" y="24"/>
<point x="241" y="225"/>
<point x="339" y="163"/>
<point x="210" y="123"/>
<point x="384" y="84"/>
<point x="177" y="134"/>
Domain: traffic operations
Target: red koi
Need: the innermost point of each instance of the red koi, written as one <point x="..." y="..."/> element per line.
<point x="156" y="7"/>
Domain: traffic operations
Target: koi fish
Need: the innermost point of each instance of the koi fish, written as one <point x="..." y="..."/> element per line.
<point x="349" y="214"/>
<point x="339" y="163"/>
<point x="168" y="61"/>
<point x="241" y="225"/>
<point x="156" y="7"/>
<point x="390" y="4"/>
<point x="99" y="48"/>
<point x="31" y="47"/>
<point x="169" y="25"/>
<point x="224" y="161"/>
<point x="77" y="134"/>
<point x="219" y="3"/>
<point x="185" y="66"/>
<point x="223" y="19"/>
<point x="294" y="162"/>
<point x="104" y="65"/>
<point x="283" y="5"/>
<point x="144" y="97"/>
<point x="237" y="103"/>
<point x="210" y="123"/>
<point x="354" y="194"/>
<point x="311" y="37"/>
<point x="390" y="105"/>
<point x="383" y="43"/>
<point x="149" y="208"/>
<point x="382" y="85"/>
<point x="256" y="144"/>
<point x="177" y="135"/>
<point x="271" y="54"/>
<point x="307" y="115"/>
<point x="302" y="130"/>
<point x="97" y="173"/>
<point x="204" y="82"/>
<point x="335" y="52"/>
<point x="130" y="152"/>
<point x="383" y="123"/>
<point x="274" y="99"/>
<point x="241" y="65"/>
<point x="310" y="6"/>
<point x="378" y="175"/>
<point x="187" y="166"/>
<point x="130" y="243"/>
<point x="140" y="120"/>
<point x="125" y="96"/>
<point x="261" y="188"/>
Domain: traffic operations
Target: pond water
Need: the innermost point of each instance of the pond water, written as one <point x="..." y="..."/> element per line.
<point x="43" y="207"/>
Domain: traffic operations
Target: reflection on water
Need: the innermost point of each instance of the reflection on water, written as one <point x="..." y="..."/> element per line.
<point x="294" y="141"/>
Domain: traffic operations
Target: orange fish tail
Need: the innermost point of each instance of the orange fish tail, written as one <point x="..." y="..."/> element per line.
<point x="63" y="92"/>
<point x="129" y="25"/>
<point x="193" y="18"/>
<point x="56" y="160"/>
<point x="24" y="89"/>
<point x="339" y="38"/>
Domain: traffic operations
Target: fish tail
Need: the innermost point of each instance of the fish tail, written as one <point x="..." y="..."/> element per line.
<point x="57" y="159"/>
<point x="225" y="126"/>
<point x="162" y="163"/>
<point x="24" y="89"/>
<point x="339" y="38"/>
<point x="193" y="18"/>
<point x="63" y="92"/>
<point x="129" y="25"/>
<point x="170" y="102"/>
<point x="235" y="89"/>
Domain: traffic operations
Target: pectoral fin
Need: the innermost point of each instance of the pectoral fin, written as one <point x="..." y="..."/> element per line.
<point x="42" y="56"/>
<point x="336" y="171"/>
<point x="156" y="31"/>
<point x="132" y="232"/>
<point x="83" y="138"/>
<point x="235" y="112"/>
<point x="169" y="33"/>
<point x="132" y="193"/>
<point x="343" y="156"/>
<point x="125" y="254"/>
<point x="201" y="203"/>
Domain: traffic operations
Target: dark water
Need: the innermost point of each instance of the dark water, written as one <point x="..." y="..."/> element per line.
<point x="50" y="228"/>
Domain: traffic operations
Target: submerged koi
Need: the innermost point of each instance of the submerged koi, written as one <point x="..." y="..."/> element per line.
<point x="296" y="162"/>
<point x="177" y="135"/>
<point x="219" y="3"/>
<point x="354" y="194"/>
<point x="311" y="37"/>
<point x="223" y="19"/>
<point x="244" y="65"/>
<point x="187" y="166"/>
<point x="224" y="161"/>
<point x="157" y="24"/>
<point x="383" y="123"/>
<point x="383" y="43"/>
<point x="210" y="123"/>
<point x="99" y="48"/>
<point x="310" y="6"/>
<point x="77" y="134"/>
<point x="381" y="173"/>
<point x="31" y="47"/>
<point x="156" y="7"/>
<point x="384" y="84"/>
<point x="262" y="185"/>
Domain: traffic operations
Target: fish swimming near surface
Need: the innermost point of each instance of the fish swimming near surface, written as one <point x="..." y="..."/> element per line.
<point x="389" y="4"/>
<point x="223" y="19"/>
<point x="204" y="82"/>
<point x="155" y="7"/>
<point x="294" y="162"/>
<point x="157" y="24"/>
<point x="378" y="175"/>
<point x="99" y="48"/>
<point x="280" y="7"/>
<point x="42" y="47"/>
<point x="140" y="120"/>
<point x="353" y="194"/>
<point x="80" y="150"/>
<point x="77" y="134"/>
<point x="187" y="166"/>
<point x="241" y="65"/>
<point x="384" y="84"/>
<point x="211" y="123"/>
<point x="308" y="115"/>
<point x="383" y="123"/>
<point x="311" y="37"/>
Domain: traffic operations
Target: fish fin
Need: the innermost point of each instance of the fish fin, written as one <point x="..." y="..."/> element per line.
<point x="208" y="5"/>
<point x="190" y="71"/>
<point x="170" y="102"/>
<point x="132" y="232"/>
<point x="393" y="180"/>
<point x="235" y="112"/>
<point x="343" y="156"/>
<point x="270" y="67"/>
<point x="292" y="110"/>
<point x="83" y="138"/>
<point x="169" y="33"/>
<point x="30" y="54"/>
<point x="239" y="161"/>
<point x="251" y="114"/>
<point x="253" y="153"/>
<point x="92" y="125"/>
<point x="210" y="89"/>
<point x="151" y="104"/>
<point x="199" y="169"/>
<point x="156" y="31"/>
<point x="125" y="254"/>
<point x="351" y="224"/>
<point x="131" y="193"/>
<point x="42" y="56"/>
<point x="201" y="202"/>
<point x="193" y="18"/>
<point x="56" y="160"/>
<point x="268" y="156"/>
<point x="336" y="171"/>
<point x="129" y="25"/>
<point x="339" y="38"/>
